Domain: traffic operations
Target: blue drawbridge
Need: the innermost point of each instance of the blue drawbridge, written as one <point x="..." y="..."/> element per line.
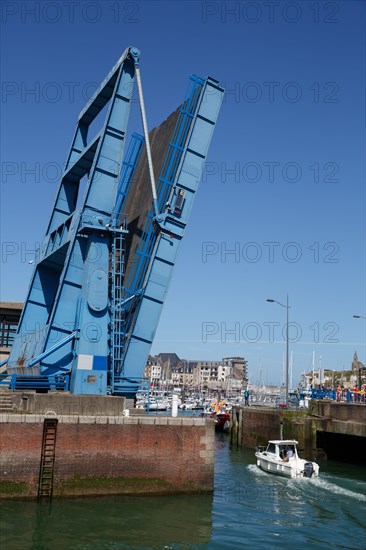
<point x="103" y="270"/>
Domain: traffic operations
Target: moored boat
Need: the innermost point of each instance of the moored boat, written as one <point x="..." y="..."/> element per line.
<point x="222" y="422"/>
<point x="157" y="405"/>
<point x="219" y="411"/>
<point x="280" y="457"/>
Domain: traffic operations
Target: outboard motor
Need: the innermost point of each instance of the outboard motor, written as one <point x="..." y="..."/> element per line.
<point x="308" y="469"/>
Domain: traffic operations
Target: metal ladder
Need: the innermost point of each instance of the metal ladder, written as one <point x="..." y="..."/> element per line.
<point x="45" y="484"/>
<point x="117" y="308"/>
<point x="118" y="257"/>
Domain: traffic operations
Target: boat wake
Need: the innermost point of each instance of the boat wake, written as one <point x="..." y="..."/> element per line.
<point x="253" y="469"/>
<point x="338" y="490"/>
<point x="303" y="485"/>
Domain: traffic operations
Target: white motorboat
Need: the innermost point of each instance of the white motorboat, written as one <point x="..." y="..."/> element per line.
<point x="190" y="405"/>
<point x="157" y="405"/>
<point x="280" y="457"/>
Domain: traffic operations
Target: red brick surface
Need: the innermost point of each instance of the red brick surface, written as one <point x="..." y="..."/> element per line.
<point x="172" y="455"/>
<point x="259" y="426"/>
<point x="20" y="452"/>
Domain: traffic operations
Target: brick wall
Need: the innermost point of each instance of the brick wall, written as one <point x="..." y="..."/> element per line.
<point x="251" y="427"/>
<point x="20" y="451"/>
<point x="109" y="455"/>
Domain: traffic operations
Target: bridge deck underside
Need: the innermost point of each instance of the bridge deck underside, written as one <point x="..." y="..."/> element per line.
<point x="139" y="199"/>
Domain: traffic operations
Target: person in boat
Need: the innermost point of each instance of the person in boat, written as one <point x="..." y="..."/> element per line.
<point x="288" y="454"/>
<point x="217" y="406"/>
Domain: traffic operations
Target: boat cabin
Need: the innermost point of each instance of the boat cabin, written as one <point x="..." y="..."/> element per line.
<point x="282" y="448"/>
<point x="280" y="457"/>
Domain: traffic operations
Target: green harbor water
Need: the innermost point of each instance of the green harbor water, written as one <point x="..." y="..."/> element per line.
<point x="249" y="509"/>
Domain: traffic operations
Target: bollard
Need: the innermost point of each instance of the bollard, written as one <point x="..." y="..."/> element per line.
<point x="175" y="406"/>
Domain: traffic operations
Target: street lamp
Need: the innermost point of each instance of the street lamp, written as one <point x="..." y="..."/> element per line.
<point x="287" y="341"/>
<point x="360" y="368"/>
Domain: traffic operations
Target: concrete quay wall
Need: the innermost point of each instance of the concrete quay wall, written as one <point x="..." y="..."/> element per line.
<point x="108" y="455"/>
<point x="64" y="403"/>
<point x="340" y="411"/>
<point x="254" y="426"/>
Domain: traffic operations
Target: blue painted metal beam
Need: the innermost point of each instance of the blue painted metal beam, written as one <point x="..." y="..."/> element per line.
<point x="70" y="289"/>
<point x="202" y="106"/>
<point x="52" y="349"/>
<point x="79" y="285"/>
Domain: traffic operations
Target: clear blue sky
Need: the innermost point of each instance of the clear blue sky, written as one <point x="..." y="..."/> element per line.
<point x="286" y="165"/>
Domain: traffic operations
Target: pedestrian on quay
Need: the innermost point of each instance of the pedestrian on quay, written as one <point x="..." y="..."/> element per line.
<point x="354" y="393"/>
<point x="361" y="394"/>
<point x="339" y="392"/>
<point x="246" y="397"/>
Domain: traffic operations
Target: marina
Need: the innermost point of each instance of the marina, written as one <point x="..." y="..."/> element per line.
<point x="182" y="343"/>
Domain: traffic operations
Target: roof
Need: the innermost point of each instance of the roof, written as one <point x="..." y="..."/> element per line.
<point x="11" y="311"/>
<point x="283" y="441"/>
<point x="11" y="305"/>
<point x="172" y="357"/>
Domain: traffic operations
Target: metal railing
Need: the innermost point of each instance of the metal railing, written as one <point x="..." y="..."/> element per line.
<point x="345" y="396"/>
<point x="13" y="382"/>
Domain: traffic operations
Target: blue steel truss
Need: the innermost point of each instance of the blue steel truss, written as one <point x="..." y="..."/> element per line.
<point x="164" y="185"/>
<point x="117" y="302"/>
<point x="127" y="172"/>
<point x="69" y="291"/>
<point x="83" y="325"/>
<point x="158" y="247"/>
<point x="133" y="287"/>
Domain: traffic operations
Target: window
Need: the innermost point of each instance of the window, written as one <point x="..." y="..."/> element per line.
<point x="8" y="330"/>
<point x="271" y="448"/>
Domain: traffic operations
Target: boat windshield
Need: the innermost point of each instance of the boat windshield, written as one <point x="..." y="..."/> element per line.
<point x="271" y="448"/>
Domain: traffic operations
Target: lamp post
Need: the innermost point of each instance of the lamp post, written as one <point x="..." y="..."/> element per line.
<point x="360" y="368"/>
<point x="287" y="342"/>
